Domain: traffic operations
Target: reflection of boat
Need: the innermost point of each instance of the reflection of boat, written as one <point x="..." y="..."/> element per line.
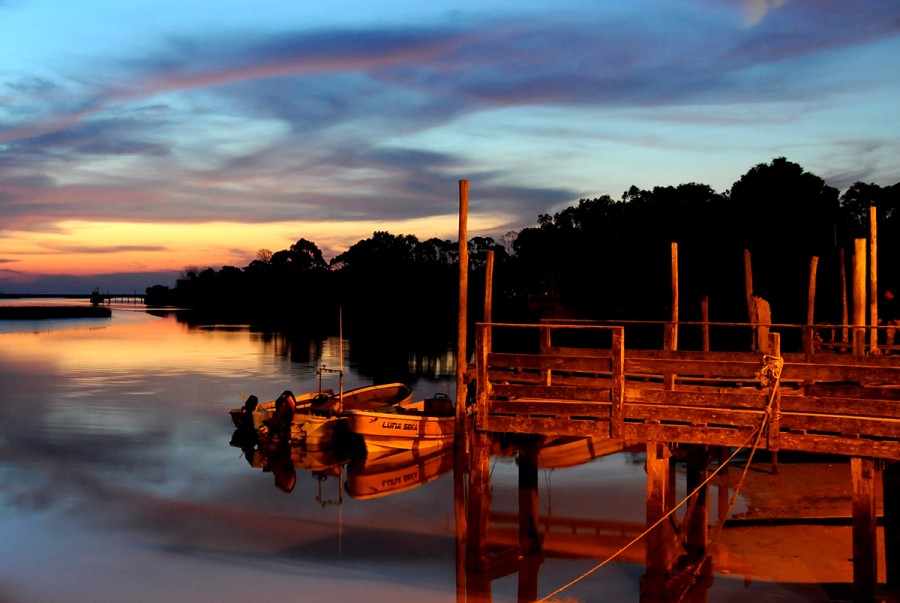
<point x="283" y="460"/>
<point x="396" y="472"/>
<point x="568" y="451"/>
<point x="421" y="425"/>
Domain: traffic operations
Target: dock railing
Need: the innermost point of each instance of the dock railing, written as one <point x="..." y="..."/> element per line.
<point x="579" y="379"/>
<point x="559" y="378"/>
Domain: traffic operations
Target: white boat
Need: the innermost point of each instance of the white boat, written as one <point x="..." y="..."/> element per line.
<point x="421" y="425"/>
<point x="317" y="425"/>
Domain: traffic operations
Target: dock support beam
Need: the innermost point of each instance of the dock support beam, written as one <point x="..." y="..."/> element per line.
<point x="865" y="561"/>
<point x="696" y="523"/>
<point x="661" y="552"/>
<point x="890" y="483"/>
<point x="479" y="502"/>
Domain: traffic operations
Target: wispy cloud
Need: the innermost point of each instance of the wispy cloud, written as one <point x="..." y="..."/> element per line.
<point x="342" y="122"/>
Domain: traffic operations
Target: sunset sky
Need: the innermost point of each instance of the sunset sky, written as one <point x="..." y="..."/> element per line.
<point x="138" y="138"/>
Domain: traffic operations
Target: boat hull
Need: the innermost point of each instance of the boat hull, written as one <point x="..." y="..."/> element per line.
<point x="322" y="426"/>
<point x="423" y="425"/>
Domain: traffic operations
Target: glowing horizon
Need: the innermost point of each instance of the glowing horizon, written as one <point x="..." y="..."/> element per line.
<point x="89" y="248"/>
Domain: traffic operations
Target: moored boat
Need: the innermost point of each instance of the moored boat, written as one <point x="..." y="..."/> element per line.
<point x="318" y="426"/>
<point x="253" y="416"/>
<point x="421" y="425"/>
<point x="316" y="419"/>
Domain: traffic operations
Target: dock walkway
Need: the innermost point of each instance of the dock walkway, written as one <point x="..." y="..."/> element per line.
<point x="823" y="403"/>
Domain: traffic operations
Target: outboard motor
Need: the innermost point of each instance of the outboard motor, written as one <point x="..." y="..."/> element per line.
<point x="284" y="413"/>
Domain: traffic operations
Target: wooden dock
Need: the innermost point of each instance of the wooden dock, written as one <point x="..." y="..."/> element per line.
<point x="823" y="403"/>
<point x="564" y="379"/>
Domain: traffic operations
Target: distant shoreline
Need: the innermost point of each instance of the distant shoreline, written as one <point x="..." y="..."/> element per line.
<point x="45" y="312"/>
<point x="44" y="295"/>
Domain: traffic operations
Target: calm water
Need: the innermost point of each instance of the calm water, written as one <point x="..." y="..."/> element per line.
<point x="118" y="481"/>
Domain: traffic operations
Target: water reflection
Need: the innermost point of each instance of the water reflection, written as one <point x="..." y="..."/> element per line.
<point x="368" y="474"/>
<point x="284" y="460"/>
<point x="375" y="475"/>
<point x="118" y="470"/>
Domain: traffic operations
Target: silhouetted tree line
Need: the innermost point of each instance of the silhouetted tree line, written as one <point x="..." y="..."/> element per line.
<point x="603" y="258"/>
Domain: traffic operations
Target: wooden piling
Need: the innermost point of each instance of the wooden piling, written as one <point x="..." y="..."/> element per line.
<point x="890" y="485"/>
<point x="489" y="294"/>
<point x="660" y="553"/>
<point x="529" y="540"/>
<point x="696" y="523"/>
<point x="460" y="473"/>
<point x="845" y="312"/>
<point x="479" y="502"/>
<point x="674" y="336"/>
<point x="773" y="430"/>
<point x="704" y="317"/>
<point x="859" y="296"/>
<point x="748" y="291"/>
<point x="461" y="357"/>
<point x="873" y="280"/>
<point x="809" y="333"/>
<point x="670" y="337"/>
<point x="865" y="561"/>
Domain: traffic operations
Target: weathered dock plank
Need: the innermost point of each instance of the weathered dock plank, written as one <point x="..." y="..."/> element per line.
<point x="830" y="403"/>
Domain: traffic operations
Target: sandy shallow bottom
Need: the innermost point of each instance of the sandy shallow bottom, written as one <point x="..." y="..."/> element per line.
<point x="817" y="559"/>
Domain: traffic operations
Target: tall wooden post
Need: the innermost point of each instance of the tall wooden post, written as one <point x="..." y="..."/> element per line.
<point x="617" y="394"/>
<point x="704" y="317"/>
<point x="845" y="312"/>
<point x="670" y="337"/>
<point x="859" y="296"/>
<point x="873" y="280"/>
<point x="545" y="342"/>
<point x="809" y="333"/>
<point x="461" y="461"/>
<point x="865" y="561"/>
<point x="674" y="342"/>
<point x="773" y="429"/>
<point x="489" y="295"/>
<point x="461" y="356"/>
<point x="748" y="290"/>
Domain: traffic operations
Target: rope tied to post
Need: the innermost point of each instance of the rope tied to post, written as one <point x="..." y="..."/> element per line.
<point x="770" y="373"/>
<point x="769" y="376"/>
